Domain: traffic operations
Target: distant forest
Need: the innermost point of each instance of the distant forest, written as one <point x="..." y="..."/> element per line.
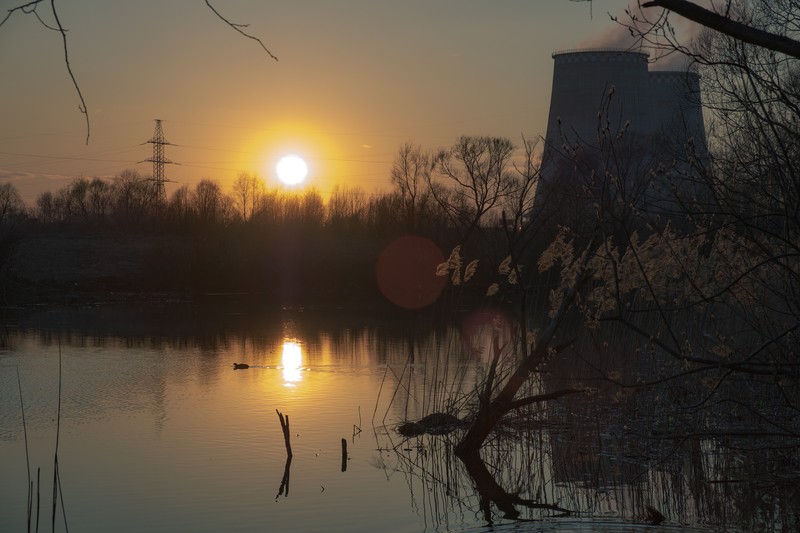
<point x="97" y="237"/>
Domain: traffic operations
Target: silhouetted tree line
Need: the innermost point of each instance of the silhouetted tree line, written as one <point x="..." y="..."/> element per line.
<point x="290" y="244"/>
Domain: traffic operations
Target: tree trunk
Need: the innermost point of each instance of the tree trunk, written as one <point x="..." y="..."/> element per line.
<point x="490" y="412"/>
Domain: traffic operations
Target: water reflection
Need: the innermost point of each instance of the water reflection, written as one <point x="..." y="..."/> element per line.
<point x="208" y="434"/>
<point x="292" y="362"/>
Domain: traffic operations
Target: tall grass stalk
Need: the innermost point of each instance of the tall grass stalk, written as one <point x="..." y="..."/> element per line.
<point x="27" y="452"/>
<point x="56" y="477"/>
<point x="38" y="496"/>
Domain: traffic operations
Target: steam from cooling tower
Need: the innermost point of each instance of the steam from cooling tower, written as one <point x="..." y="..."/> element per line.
<point x="619" y="36"/>
<point x="615" y="36"/>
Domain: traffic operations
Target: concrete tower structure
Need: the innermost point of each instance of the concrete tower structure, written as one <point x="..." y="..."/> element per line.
<point x="675" y="107"/>
<point x="582" y="81"/>
<point x="652" y="102"/>
<point x="596" y="95"/>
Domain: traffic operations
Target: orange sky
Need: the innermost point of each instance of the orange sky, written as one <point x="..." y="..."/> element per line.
<point x="355" y="80"/>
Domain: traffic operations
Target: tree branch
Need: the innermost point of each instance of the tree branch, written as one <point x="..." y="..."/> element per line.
<point x="238" y="27"/>
<point x="728" y="26"/>
<point x="82" y="108"/>
<point x="29" y="8"/>
<point x="516" y="404"/>
<point x="25" y="8"/>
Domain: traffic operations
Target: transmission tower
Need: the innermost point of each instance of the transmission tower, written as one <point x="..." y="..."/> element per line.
<point x="159" y="142"/>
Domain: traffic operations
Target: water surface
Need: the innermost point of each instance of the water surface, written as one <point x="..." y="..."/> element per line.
<point x="157" y="431"/>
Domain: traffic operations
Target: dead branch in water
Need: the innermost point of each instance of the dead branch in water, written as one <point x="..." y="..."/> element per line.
<point x="285" y="427"/>
<point x="283" y="490"/>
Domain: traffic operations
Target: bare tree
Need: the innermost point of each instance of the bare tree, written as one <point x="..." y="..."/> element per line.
<point x="346" y="206"/>
<point x="179" y="206"/>
<point x="208" y="202"/>
<point x="476" y="170"/>
<point x="101" y="198"/>
<point x="518" y="205"/>
<point x="11" y="204"/>
<point x="247" y="192"/>
<point x="313" y="209"/>
<point x="45" y="209"/>
<point x="410" y="174"/>
<point x="713" y="300"/>
<point x="133" y="194"/>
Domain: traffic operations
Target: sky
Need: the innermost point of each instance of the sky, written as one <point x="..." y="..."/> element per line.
<point x="355" y="80"/>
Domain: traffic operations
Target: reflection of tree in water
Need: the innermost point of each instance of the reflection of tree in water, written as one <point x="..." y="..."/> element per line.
<point x="690" y="474"/>
<point x="584" y="460"/>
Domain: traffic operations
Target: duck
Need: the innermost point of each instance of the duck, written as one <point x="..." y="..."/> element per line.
<point x="240" y="366"/>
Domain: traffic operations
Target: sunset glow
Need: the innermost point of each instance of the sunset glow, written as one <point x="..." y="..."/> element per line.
<point x="242" y="112"/>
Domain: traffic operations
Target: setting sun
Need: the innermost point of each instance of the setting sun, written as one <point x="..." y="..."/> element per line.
<point x="292" y="170"/>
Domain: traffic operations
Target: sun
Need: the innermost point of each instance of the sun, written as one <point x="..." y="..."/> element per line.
<point x="292" y="169"/>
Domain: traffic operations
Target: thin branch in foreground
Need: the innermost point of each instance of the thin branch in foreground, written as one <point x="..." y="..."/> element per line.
<point x="29" y="8"/>
<point x="25" y="8"/>
<point x="82" y="108"/>
<point x="238" y="27"/>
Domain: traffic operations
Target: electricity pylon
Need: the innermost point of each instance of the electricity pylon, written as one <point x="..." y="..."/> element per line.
<point x="158" y="141"/>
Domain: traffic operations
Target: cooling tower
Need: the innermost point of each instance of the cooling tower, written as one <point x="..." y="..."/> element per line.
<point x="675" y="108"/>
<point x="597" y="95"/>
<point x="582" y="81"/>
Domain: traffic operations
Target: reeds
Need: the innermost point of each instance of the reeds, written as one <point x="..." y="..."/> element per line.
<point x="27" y="452"/>
<point x="58" y="494"/>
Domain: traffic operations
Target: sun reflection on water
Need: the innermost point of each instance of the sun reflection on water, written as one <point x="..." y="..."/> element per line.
<point x="291" y="361"/>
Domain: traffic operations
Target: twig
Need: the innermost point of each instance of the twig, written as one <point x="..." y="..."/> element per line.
<point x="29" y="8"/>
<point x="82" y="108"/>
<point x="25" y="8"/>
<point x="238" y="27"/>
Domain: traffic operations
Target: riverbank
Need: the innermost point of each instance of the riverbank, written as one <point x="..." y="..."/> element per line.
<point x="97" y="269"/>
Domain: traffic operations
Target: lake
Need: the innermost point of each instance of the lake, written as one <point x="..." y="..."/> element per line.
<point x="158" y="432"/>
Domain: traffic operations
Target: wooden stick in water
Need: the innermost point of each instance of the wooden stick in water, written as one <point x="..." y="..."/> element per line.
<point x="285" y="427"/>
